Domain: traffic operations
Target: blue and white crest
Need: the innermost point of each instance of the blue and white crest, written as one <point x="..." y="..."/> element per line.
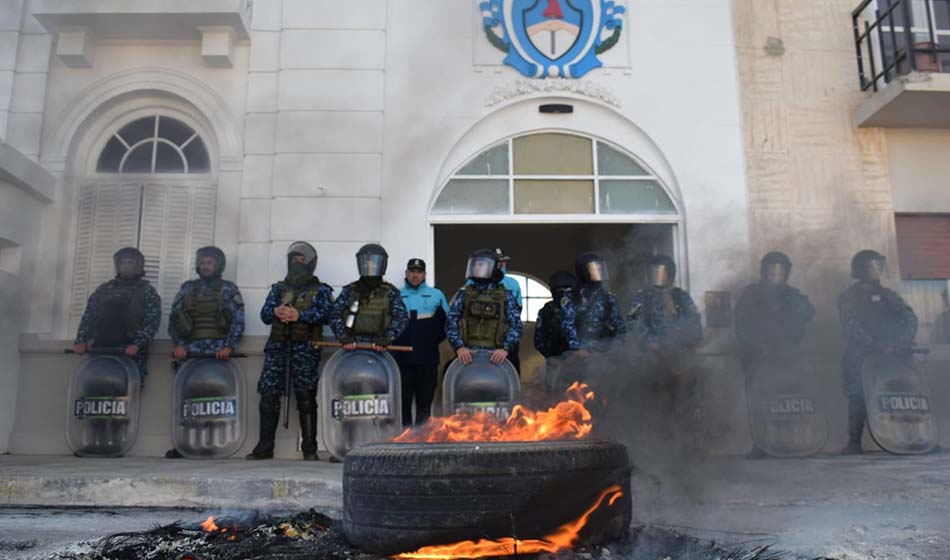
<point x="552" y="38"/>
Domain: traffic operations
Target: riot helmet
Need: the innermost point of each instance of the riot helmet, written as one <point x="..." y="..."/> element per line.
<point x="219" y="260"/>
<point x="371" y="260"/>
<point x="305" y="250"/>
<point x="775" y="268"/>
<point x="590" y="268"/>
<point x="482" y="265"/>
<point x="502" y="260"/>
<point x="868" y="266"/>
<point x="136" y="268"/>
<point x="661" y="271"/>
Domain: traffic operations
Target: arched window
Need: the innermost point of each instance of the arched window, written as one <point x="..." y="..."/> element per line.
<point x="156" y="144"/>
<point x="151" y="188"/>
<point x="554" y="174"/>
<point x="534" y="294"/>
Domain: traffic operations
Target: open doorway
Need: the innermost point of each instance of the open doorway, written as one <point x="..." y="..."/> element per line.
<point x="538" y="250"/>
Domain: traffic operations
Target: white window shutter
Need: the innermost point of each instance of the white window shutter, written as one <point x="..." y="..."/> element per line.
<point x="108" y="220"/>
<point x="176" y="221"/>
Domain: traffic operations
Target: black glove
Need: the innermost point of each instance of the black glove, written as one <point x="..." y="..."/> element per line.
<point x="347" y="339"/>
<point x="383" y="341"/>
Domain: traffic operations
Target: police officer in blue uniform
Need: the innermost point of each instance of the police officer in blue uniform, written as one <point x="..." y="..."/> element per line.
<point x="122" y="313"/>
<point x="296" y="308"/>
<point x="207" y="316"/>
<point x="597" y="315"/>
<point x="663" y="317"/>
<point x="369" y="310"/>
<point x="771" y="318"/>
<point x="484" y="315"/>
<point x="874" y="320"/>
<point x="418" y="369"/>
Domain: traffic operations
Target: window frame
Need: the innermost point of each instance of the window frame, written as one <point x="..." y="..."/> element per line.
<point x="596" y="177"/>
<point x="525" y="293"/>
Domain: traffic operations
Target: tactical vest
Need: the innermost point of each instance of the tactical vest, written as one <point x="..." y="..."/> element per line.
<point x="121" y="313"/>
<point x="592" y="325"/>
<point x="484" y="319"/>
<point x="300" y="299"/>
<point x="551" y="332"/>
<point x="205" y="306"/>
<point x="372" y="317"/>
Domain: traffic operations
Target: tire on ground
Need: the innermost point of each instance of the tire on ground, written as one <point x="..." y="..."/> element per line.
<point x="401" y="497"/>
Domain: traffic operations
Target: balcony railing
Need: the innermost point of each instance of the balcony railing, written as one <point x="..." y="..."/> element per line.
<point x="895" y="37"/>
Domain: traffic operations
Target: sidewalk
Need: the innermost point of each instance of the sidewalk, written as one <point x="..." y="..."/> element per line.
<point x="149" y="482"/>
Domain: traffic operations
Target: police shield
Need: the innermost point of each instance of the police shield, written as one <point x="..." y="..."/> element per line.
<point x="208" y="420"/>
<point x="480" y="386"/>
<point x="103" y="416"/>
<point x="360" y="402"/>
<point x="900" y="414"/>
<point x="785" y="415"/>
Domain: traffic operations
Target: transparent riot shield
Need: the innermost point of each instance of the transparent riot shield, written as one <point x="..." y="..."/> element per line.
<point x="900" y="409"/>
<point x="208" y="419"/>
<point x="360" y="400"/>
<point x="480" y="386"/>
<point x="785" y="415"/>
<point x="103" y="416"/>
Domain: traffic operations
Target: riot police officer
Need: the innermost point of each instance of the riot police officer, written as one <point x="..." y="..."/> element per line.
<point x="484" y="315"/>
<point x="555" y="332"/>
<point x="122" y="313"/>
<point x="296" y="308"/>
<point x="369" y="310"/>
<point x="207" y="316"/>
<point x="663" y="316"/>
<point x="771" y="317"/>
<point x="597" y="315"/>
<point x="418" y="370"/>
<point x="874" y="319"/>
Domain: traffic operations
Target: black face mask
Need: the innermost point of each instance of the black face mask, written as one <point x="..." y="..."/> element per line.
<point x="298" y="275"/>
<point x="371" y="282"/>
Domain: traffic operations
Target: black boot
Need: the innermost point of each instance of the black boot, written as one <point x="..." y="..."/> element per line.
<point x="307" y="407"/>
<point x="857" y="413"/>
<point x="270" y="418"/>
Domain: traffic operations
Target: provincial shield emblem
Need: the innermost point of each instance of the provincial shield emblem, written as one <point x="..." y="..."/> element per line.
<point x="552" y="38"/>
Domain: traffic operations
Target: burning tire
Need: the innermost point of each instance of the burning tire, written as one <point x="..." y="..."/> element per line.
<point x="399" y="497"/>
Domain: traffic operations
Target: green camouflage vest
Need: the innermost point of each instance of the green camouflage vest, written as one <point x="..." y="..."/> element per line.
<point x="484" y="319"/>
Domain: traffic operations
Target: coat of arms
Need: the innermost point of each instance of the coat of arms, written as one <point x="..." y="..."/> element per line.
<point x="552" y="38"/>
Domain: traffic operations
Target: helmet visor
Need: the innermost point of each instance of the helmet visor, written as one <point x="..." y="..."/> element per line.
<point x="480" y="268"/>
<point x="876" y="269"/>
<point x="371" y="264"/>
<point x="776" y="274"/>
<point x="304" y="249"/>
<point x="596" y="271"/>
<point x="659" y="275"/>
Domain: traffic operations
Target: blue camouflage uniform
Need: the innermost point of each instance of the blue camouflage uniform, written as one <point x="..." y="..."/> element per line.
<point x="512" y="315"/>
<point x="233" y="306"/>
<point x="110" y="293"/>
<point x="398" y="316"/>
<point x="873" y="319"/>
<point x="555" y="331"/>
<point x="304" y="358"/>
<point x="597" y="316"/>
<point x="650" y="323"/>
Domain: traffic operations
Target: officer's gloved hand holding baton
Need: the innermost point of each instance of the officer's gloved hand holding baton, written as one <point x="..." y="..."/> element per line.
<point x="180" y="353"/>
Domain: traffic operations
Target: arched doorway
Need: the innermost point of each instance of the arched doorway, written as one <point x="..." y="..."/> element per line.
<point x="544" y="197"/>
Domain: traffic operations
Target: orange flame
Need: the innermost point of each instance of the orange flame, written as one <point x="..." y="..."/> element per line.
<point x="208" y="524"/>
<point x="569" y="419"/>
<point x="563" y="538"/>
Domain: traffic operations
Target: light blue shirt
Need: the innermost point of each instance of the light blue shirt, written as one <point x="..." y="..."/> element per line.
<point x="424" y="300"/>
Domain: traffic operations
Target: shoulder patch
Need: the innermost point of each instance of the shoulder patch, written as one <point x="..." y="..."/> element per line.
<point x="237" y="299"/>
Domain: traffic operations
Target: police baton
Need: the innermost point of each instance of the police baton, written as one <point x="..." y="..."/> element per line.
<point x="195" y="355"/>
<point x="361" y="346"/>
<point x="102" y="351"/>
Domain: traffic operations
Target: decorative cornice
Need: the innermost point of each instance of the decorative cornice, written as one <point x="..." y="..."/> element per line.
<point x="522" y="88"/>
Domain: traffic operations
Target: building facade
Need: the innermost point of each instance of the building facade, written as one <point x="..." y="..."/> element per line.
<point x="710" y="130"/>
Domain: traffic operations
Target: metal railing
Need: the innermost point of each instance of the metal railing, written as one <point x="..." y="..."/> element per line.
<point x="892" y="38"/>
